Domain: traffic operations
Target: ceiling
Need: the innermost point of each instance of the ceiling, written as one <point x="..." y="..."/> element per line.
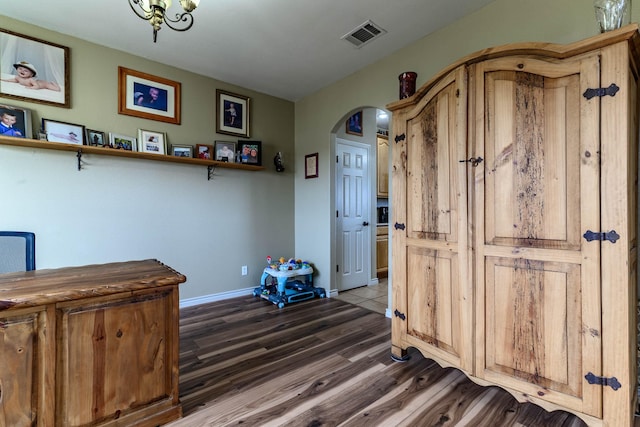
<point x="284" y="48"/>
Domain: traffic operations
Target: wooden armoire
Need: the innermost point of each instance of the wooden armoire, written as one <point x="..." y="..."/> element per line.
<point x="514" y="222"/>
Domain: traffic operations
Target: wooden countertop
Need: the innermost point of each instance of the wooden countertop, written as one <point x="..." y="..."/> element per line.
<point x="50" y="286"/>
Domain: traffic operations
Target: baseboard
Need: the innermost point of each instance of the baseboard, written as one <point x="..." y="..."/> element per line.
<point x="190" y="302"/>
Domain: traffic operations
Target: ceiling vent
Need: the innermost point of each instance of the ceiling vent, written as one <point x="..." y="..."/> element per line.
<point x="363" y="34"/>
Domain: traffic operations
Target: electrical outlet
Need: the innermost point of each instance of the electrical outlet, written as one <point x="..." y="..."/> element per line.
<point x="244" y="270"/>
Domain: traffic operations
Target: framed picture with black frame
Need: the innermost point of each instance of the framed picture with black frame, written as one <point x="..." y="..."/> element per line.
<point x="96" y="138"/>
<point x="311" y="166"/>
<point x="250" y="152"/>
<point x="232" y="114"/>
<point x="67" y="133"/>
<point x="15" y="121"/>
<point x="354" y="124"/>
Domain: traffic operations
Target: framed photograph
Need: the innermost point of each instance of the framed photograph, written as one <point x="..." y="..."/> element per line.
<point x="152" y="142"/>
<point x="250" y="152"/>
<point x="182" y="151"/>
<point x="15" y="121"/>
<point x="232" y="114"/>
<point x="311" y="166"/>
<point x="67" y="133"/>
<point x="149" y="97"/>
<point x="204" y="151"/>
<point x="34" y="70"/>
<point x="96" y="138"/>
<point x="225" y="151"/>
<point x="354" y="124"/>
<point x="122" y="142"/>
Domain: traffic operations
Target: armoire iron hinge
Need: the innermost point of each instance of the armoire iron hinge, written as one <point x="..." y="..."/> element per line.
<point x="399" y="138"/>
<point x="337" y="268"/>
<point x="398" y="314"/>
<point x="611" y="236"/>
<point x="594" y="379"/>
<point x="601" y="91"/>
<point x="398" y="226"/>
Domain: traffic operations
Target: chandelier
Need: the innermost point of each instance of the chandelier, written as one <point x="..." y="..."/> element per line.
<point x="154" y="12"/>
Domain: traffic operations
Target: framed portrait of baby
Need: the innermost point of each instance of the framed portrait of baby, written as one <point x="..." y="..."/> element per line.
<point x="66" y="133"/>
<point x="34" y="70"/>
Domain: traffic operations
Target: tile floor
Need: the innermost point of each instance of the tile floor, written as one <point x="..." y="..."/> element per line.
<point x="372" y="297"/>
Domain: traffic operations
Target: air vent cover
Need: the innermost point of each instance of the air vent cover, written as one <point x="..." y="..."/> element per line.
<point x="363" y="34"/>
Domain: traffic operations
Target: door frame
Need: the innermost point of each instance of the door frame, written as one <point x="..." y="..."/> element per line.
<point x="371" y="255"/>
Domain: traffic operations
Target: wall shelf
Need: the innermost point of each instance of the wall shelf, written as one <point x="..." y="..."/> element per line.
<point x="80" y="150"/>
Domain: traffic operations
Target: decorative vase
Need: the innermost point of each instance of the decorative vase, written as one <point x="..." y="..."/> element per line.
<point x="407" y="84"/>
<point x="612" y="14"/>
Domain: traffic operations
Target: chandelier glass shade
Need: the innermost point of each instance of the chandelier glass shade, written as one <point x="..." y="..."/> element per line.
<point x="154" y="11"/>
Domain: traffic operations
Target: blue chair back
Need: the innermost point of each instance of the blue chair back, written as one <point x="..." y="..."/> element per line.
<point x="17" y="251"/>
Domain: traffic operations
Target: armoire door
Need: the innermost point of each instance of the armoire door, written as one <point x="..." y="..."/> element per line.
<point x="536" y="194"/>
<point x="432" y="288"/>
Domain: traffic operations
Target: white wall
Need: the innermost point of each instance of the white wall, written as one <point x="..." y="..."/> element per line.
<point x="119" y="209"/>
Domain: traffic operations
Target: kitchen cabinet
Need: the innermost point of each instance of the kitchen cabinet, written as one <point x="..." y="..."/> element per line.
<point x="382" y="251"/>
<point x="514" y="235"/>
<point x="92" y="345"/>
<point x="382" y="166"/>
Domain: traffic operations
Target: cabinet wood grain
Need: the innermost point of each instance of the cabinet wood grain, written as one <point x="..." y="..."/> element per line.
<point x="91" y="345"/>
<point x="505" y="165"/>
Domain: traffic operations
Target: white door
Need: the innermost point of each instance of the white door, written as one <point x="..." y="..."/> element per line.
<point x="353" y="230"/>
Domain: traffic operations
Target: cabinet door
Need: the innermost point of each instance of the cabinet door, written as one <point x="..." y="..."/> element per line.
<point x="383" y="166"/>
<point x="432" y="291"/>
<point x="116" y="358"/>
<point x="382" y="254"/>
<point x="536" y="193"/>
<point x="24" y="378"/>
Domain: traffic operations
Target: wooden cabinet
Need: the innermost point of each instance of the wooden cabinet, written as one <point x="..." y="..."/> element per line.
<point x="94" y="345"/>
<point x="382" y="166"/>
<point x="506" y="167"/>
<point x="382" y="251"/>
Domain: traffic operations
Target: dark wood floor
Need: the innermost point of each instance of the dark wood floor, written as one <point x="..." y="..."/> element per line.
<point x="324" y="362"/>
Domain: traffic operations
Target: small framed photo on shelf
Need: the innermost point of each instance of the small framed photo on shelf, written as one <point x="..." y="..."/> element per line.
<point x="34" y="70"/>
<point x="122" y="142"/>
<point x="354" y="124"/>
<point x="232" y="114"/>
<point x="182" y="150"/>
<point x="204" y="151"/>
<point x="311" y="166"/>
<point x="149" y="97"/>
<point x="96" y="138"/>
<point x="225" y="151"/>
<point x="152" y="142"/>
<point x="15" y="121"/>
<point x="67" y="133"/>
<point x="250" y="152"/>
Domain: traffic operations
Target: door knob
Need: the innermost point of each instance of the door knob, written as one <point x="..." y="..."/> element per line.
<point x="364" y="224"/>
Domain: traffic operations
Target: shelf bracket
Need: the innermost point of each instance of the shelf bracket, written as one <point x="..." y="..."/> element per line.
<point x="211" y="170"/>
<point x="79" y="156"/>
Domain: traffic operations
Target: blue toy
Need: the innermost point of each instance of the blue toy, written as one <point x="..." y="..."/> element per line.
<point x="289" y="281"/>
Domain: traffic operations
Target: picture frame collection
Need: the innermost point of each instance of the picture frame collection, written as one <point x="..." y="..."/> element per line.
<point x="140" y="95"/>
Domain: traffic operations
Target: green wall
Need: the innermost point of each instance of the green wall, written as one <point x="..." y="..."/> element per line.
<point x="120" y="209"/>
<point x="320" y="114"/>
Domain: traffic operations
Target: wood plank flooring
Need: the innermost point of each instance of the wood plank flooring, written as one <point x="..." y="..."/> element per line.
<point x="324" y="362"/>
